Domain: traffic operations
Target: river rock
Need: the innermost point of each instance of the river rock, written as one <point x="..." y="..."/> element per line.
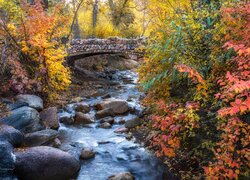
<point x="87" y="154"/>
<point x="33" y="101"/>
<point x="72" y="149"/>
<point x="40" y="137"/>
<point x="109" y="120"/>
<point x="6" y="160"/>
<point x="81" y="118"/>
<point x="56" y="143"/>
<point x="132" y="123"/>
<point x="67" y="119"/>
<point x="45" y="163"/>
<point x="121" y="130"/>
<point x="131" y="64"/>
<point x="25" y="119"/>
<point x="49" y="118"/>
<point x="12" y="135"/>
<point x="118" y="106"/>
<point x="104" y="113"/>
<point x="16" y="105"/>
<point x="106" y="96"/>
<point x="105" y="125"/>
<point x="76" y="100"/>
<point x="82" y="107"/>
<point x="122" y="176"/>
<point x="122" y="121"/>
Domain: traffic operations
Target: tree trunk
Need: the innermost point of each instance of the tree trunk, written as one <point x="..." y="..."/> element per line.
<point x="94" y="14"/>
<point x="76" y="28"/>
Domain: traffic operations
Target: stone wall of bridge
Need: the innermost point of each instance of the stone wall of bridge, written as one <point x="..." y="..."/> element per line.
<point x="110" y="45"/>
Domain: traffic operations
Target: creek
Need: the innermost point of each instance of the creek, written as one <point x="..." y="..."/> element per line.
<point x="115" y="153"/>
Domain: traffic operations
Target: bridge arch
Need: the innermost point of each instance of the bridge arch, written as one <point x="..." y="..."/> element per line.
<point x="81" y="48"/>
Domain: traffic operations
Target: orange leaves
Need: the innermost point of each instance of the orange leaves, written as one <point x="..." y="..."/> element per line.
<point x="238" y="106"/>
<point x="193" y="74"/>
<point x="230" y="157"/>
<point x="39" y="37"/>
<point x="175" y="121"/>
<point x="212" y="120"/>
<point x="196" y="78"/>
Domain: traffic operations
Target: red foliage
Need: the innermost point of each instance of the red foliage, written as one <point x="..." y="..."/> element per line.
<point x="233" y="153"/>
<point x="19" y="81"/>
<point x="173" y="123"/>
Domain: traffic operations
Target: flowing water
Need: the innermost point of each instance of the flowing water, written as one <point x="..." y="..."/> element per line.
<point x="114" y="152"/>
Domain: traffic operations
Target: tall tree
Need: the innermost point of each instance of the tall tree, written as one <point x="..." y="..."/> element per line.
<point x="75" y="28"/>
<point x="94" y="15"/>
<point x="121" y="13"/>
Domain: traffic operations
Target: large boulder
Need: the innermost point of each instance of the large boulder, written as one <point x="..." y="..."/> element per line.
<point x="12" y="135"/>
<point x="16" y="105"/>
<point x="81" y="118"/>
<point x="132" y="123"/>
<point x="118" y="106"/>
<point x="49" y="118"/>
<point x="25" y="119"/>
<point x="122" y="176"/>
<point x="38" y="138"/>
<point x="33" y="101"/>
<point x="104" y="113"/>
<point x="45" y="163"/>
<point x="6" y="160"/>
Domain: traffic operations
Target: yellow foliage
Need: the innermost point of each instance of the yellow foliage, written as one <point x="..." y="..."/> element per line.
<point x="38" y="34"/>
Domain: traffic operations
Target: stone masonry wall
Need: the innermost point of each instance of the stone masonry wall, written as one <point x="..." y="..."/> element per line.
<point x="110" y="45"/>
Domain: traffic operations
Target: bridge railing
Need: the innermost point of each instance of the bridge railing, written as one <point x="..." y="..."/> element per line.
<point x="112" y="44"/>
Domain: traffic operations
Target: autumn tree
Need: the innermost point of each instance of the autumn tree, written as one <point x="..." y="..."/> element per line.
<point x="195" y="75"/>
<point x="37" y="54"/>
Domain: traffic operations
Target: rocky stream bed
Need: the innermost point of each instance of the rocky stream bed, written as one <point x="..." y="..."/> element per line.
<point x="88" y="139"/>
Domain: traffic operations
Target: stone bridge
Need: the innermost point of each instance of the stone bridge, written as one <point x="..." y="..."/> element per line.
<point x="80" y="48"/>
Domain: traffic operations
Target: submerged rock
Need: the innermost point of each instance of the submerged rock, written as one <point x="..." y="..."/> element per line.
<point x="45" y="163"/>
<point x="25" y="119"/>
<point x="122" y="176"/>
<point x="87" y="154"/>
<point x="109" y="120"/>
<point x="106" y="96"/>
<point x="32" y="100"/>
<point x="12" y="135"/>
<point x="105" y="125"/>
<point x="49" y="118"/>
<point x="122" y="121"/>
